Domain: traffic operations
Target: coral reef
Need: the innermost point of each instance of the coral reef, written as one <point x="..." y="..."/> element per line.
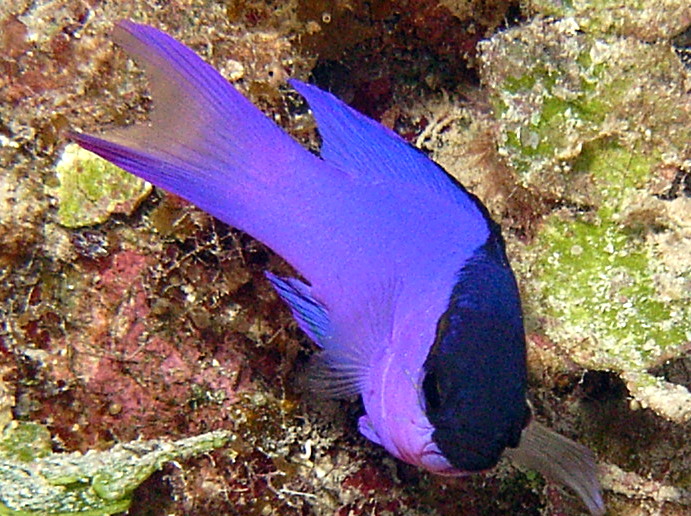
<point x="92" y="189"/>
<point x="155" y="322"/>
<point x="601" y="125"/>
<point x="33" y="480"/>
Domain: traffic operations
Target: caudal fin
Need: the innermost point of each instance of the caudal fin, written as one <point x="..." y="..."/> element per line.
<point x="206" y="142"/>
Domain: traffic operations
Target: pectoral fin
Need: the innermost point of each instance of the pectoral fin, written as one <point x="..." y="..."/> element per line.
<point x="561" y="460"/>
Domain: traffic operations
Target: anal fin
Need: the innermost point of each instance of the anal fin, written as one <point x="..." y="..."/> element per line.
<point x="335" y="372"/>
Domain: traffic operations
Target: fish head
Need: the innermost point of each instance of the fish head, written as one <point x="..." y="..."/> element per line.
<point x="476" y="405"/>
<point x="437" y="417"/>
<point x="474" y="384"/>
<point x="395" y="417"/>
<point x="447" y="392"/>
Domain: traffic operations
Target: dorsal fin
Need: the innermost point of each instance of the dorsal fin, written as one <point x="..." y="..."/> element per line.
<point x="368" y="149"/>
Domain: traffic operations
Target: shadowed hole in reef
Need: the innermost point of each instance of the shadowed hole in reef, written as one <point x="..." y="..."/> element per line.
<point x="152" y="497"/>
<point x="628" y="435"/>
<point x="680" y="186"/>
<point x="677" y="370"/>
<point x="603" y="386"/>
<point x="682" y="45"/>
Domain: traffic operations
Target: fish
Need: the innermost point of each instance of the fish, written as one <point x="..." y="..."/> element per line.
<point x="405" y="286"/>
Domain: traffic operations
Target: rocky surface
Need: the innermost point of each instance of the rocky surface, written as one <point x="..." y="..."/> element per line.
<point x="131" y="315"/>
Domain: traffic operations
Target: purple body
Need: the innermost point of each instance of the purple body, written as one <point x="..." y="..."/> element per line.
<point x="409" y="294"/>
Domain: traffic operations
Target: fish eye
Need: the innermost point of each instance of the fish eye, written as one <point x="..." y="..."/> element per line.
<point x="430" y="388"/>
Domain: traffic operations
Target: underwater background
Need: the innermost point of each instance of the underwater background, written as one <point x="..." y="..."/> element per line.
<point x="138" y="334"/>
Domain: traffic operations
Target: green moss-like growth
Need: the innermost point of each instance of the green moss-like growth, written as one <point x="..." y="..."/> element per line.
<point x="91" y="189"/>
<point x="24" y="441"/>
<point x="598" y="273"/>
<point x="597" y="287"/>
<point x="583" y="88"/>
<point x="34" y="481"/>
<point x="646" y="19"/>
<point x="616" y="170"/>
<point x="594" y="126"/>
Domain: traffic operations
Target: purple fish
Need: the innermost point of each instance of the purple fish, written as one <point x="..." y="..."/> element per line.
<point x="408" y="293"/>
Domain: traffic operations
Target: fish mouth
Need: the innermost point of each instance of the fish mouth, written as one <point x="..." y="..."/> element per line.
<point x="470" y="451"/>
<point x="432" y="459"/>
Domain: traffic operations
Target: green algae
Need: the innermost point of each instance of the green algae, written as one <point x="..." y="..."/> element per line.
<point x="646" y="19"/>
<point x="615" y="169"/>
<point x="595" y="283"/>
<point x="25" y="441"/>
<point x="605" y="292"/>
<point x="91" y="189"/>
<point x="583" y="88"/>
<point x="35" y="481"/>
<point x="592" y="126"/>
